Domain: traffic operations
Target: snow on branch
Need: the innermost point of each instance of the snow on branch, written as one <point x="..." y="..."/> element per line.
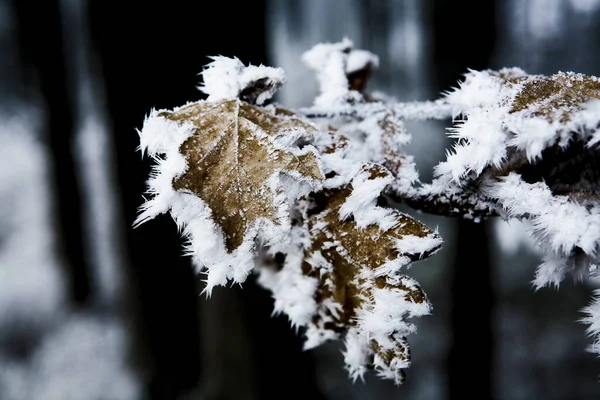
<point x="526" y="147"/>
<point x="297" y="197"/>
<point x="519" y="139"/>
<point x="343" y="73"/>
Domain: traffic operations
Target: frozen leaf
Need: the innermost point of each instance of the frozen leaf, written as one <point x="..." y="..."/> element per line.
<point x="510" y="118"/>
<point x="351" y="255"/>
<point x="526" y="148"/>
<point x="231" y="159"/>
<point x="543" y="127"/>
<point x="554" y="97"/>
<point x="230" y="173"/>
<point x="359" y="284"/>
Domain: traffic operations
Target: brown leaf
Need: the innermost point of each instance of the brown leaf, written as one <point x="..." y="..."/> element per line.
<point x="553" y="97"/>
<point x="349" y="251"/>
<point x="348" y="263"/>
<point x="393" y="360"/>
<point x="231" y="158"/>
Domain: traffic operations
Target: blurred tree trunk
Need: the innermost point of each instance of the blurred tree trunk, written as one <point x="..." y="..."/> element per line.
<point x="151" y="57"/>
<point x="464" y="35"/>
<point x="41" y="44"/>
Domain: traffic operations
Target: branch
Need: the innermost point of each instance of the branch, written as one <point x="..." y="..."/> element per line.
<point x="443" y="205"/>
<point x="414" y="110"/>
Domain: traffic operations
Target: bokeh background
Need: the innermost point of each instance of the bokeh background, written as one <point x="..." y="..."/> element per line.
<point x="93" y="309"/>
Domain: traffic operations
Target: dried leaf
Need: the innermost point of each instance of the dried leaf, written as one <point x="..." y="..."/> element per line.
<point x="553" y="97"/>
<point x="355" y="255"/>
<point x="354" y="267"/>
<point x="526" y="147"/>
<point x="231" y="158"/>
<point x="349" y="271"/>
<point x="228" y="172"/>
<point x="542" y="127"/>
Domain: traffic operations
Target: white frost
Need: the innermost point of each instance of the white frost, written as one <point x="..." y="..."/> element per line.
<point x="226" y="78"/>
<point x="332" y="62"/>
<point x="362" y="202"/>
<point x="563" y="228"/>
<point x="294" y="292"/>
<point x="592" y="319"/>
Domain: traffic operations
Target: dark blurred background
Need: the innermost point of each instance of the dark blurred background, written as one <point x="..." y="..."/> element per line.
<point x="93" y="309"/>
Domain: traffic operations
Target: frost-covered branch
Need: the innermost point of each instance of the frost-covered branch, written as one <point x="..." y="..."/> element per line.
<point x="297" y="197"/>
<point x="526" y="146"/>
<point x="413" y="110"/>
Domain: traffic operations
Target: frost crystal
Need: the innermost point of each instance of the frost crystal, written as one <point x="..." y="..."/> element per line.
<point x="593" y="320"/>
<point x="228" y="78"/>
<point x="339" y="69"/>
<point x="299" y="199"/>
<point x="526" y="148"/>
